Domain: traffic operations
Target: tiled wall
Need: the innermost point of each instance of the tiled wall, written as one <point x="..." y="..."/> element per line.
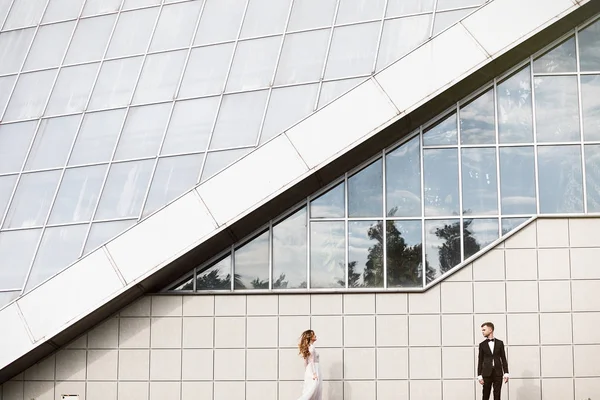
<point x="541" y="288"/>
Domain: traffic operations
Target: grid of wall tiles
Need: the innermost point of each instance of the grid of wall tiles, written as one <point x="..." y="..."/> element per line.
<point x="539" y="287"/>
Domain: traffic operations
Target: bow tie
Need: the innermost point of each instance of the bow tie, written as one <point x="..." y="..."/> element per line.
<point x="490" y="340"/>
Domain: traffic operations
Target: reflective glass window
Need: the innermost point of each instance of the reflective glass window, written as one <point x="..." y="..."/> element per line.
<point x="442" y="247"/>
<point x="30" y="95"/>
<point x="7" y="184"/>
<point x="220" y="21"/>
<point x="176" y="26"/>
<point x="160" y="77"/>
<point x="16" y="253"/>
<point x="13" y="49"/>
<point x="450" y="4"/>
<point x="590" y="103"/>
<point x="365" y="191"/>
<point x="479" y="184"/>
<point x="53" y="142"/>
<point x="589" y="47"/>
<point x="556" y="109"/>
<point x="359" y="59"/>
<point x="478" y="234"/>
<point x="93" y="7"/>
<point x="90" y="39"/>
<point x="186" y="284"/>
<point x="365" y="254"/>
<point x="253" y="64"/>
<point x="403" y="180"/>
<point x="517" y="180"/>
<point x="350" y="11"/>
<point x="477" y="123"/>
<point x="562" y="58"/>
<point x="442" y="133"/>
<point x="115" y="83"/>
<point x="400" y="36"/>
<point x="308" y="14"/>
<point x="397" y="8"/>
<point x="49" y="46"/>
<point x="206" y="70"/>
<point x="15" y="140"/>
<point x="443" y="20"/>
<point x="130" y="4"/>
<point x="440" y="167"/>
<point x="289" y="252"/>
<point x="510" y="224"/>
<point x="24" y="13"/>
<point x="4" y="9"/>
<point x="330" y="204"/>
<point x="127" y="41"/>
<point x="60" y="10"/>
<point x="265" y="17"/>
<point x="560" y="179"/>
<point x="6" y="85"/>
<point x="251" y="264"/>
<point x="515" y="113"/>
<point x="404" y="253"/>
<point x="327" y="254"/>
<point x="72" y="89"/>
<point x="216" y="277"/>
<point x="102" y="232"/>
<point x="218" y="160"/>
<point x="97" y="137"/>
<point x="143" y="131"/>
<point x="592" y="177"/>
<point x="333" y="89"/>
<point x="302" y="57"/>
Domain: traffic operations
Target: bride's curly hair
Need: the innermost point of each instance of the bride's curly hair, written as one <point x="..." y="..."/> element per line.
<point x="305" y="342"/>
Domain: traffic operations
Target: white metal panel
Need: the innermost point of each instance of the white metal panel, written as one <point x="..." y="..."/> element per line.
<point x="14" y="338"/>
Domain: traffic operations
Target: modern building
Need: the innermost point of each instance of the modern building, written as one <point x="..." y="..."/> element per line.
<point x="187" y="185"/>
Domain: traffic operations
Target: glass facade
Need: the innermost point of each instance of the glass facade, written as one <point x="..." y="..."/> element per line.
<point x="526" y="144"/>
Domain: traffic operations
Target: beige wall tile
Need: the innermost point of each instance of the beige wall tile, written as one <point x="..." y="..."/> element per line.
<point x="524" y="361"/>
<point x="587" y="388"/>
<point x="291" y="365"/>
<point x="558" y="388"/>
<point x="392" y="390"/>
<point x="261" y="390"/>
<point x="555" y="328"/>
<point x="425" y="303"/>
<point x="230" y="305"/>
<point x="555" y="296"/>
<point x="290" y="329"/>
<point x="586" y="361"/>
<point x="105" y="335"/>
<point x="198" y="332"/>
<point x="457" y="330"/>
<point x="392" y="363"/>
<point x="465" y="274"/>
<point x="424" y="330"/>
<point x="391" y="303"/>
<point x="460" y="389"/>
<point x="290" y="390"/>
<point x="70" y="365"/>
<point x="328" y="330"/>
<point x="585" y="295"/>
<point x="457" y="297"/>
<point x="166" y="333"/>
<point x="557" y="361"/>
<point x="262" y="332"/>
<point x="229" y="390"/>
<point x="44" y="370"/>
<point x="326" y="304"/>
<point x="133" y="390"/>
<point x="584" y="232"/>
<point x="261" y="364"/>
<point x="102" y="365"/>
<point x="359" y="331"/>
<point x="522" y="296"/>
<point x="134" y="365"/>
<point x="490" y="267"/>
<point x="230" y="364"/>
<point x="521" y="264"/>
<point x="165" y="365"/>
<point x="196" y="390"/>
<point x="425" y="390"/>
<point x="359" y="363"/>
<point x="74" y="388"/>
<point x="585" y="328"/>
<point x="359" y="303"/>
<point x="331" y="362"/>
<point x="526" y="238"/>
<point x="523" y="329"/>
<point x="457" y="363"/>
<point x="359" y="390"/>
<point x="392" y="330"/>
<point x="198" y="306"/>
<point x="139" y="308"/>
<point x="584" y="263"/>
<point x="230" y="332"/>
<point x="294" y="304"/>
<point x="167" y="306"/>
<point x="197" y="365"/>
<point x="262" y="305"/>
<point x="165" y="390"/>
<point x="101" y="391"/>
<point x="554" y="263"/>
<point x="39" y="390"/>
<point x="425" y="363"/>
<point x="489" y="297"/>
<point x="134" y="333"/>
<point x="13" y="390"/>
<point x="553" y="232"/>
<point x="524" y="388"/>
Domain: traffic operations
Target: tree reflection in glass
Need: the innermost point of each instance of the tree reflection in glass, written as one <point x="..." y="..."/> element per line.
<point x="289" y="252"/>
<point x="442" y="133"/>
<point x="590" y="103"/>
<point x="443" y="245"/>
<point x="589" y="47"/>
<point x="365" y="254"/>
<point x="477" y="123"/>
<point x="365" y="189"/>
<point x="560" y="179"/>
<point x="185" y="285"/>
<point x="515" y="113"/>
<point x="509" y="224"/>
<point x="403" y="180"/>
<point x="592" y="177"/>
<point x="252" y="263"/>
<point x="479" y="185"/>
<point x="561" y="58"/>
<point x="217" y="276"/>
<point x="404" y="254"/>
<point x="327" y="254"/>
<point x="330" y="204"/>
<point x="478" y="233"/>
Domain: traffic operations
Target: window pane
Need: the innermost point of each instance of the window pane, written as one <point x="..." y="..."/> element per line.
<point x="127" y="41"/>
<point x="16" y="253"/>
<point x="13" y="49"/>
<point x="480" y="187"/>
<point x="239" y="119"/>
<point x="49" y="46"/>
<point x="477" y="125"/>
<point x="592" y="177"/>
<point x="102" y="232"/>
<point x="449" y="4"/>
<point x="327" y="258"/>
<point x="405" y="7"/>
<point x="217" y="161"/>
<point x="7" y="184"/>
<point x="253" y="64"/>
<point x="93" y="7"/>
<point x="32" y="200"/>
<point x="478" y="234"/>
<point x="404" y="254"/>
<point x="442" y="251"/>
<point x="143" y="131"/>
<point x="173" y="176"/>
<point x="72" y="89"/>
<point x="446" y="19"/>
<point x="220" y="21"/>
<point x="289" y="252"/>
<point x="441" y="182"/>
<point x="560" y="180"/>
<point x="30" y="95"/>
<point x="590" y="99"/>
<point x="330" y="204"/>
<point x="125" y="190"/>
<point x="359" y="10"/>
<point x="302" y="57"/>
<point x="265" y="17"/>
<point x="90" y="39"/>
<point x="60" y="247"/>
<point x="14" y="143"/>
<point x="60" y="10"/>
<point x="561" y="58"/>
<point x="216" y="277"/>
<point x="365" y="191"/>
<point x="25" y="13"/>
<point x="357" y="60"/>
<point x="333" y="89"/>
<point x="78" y="194"/>
<point x="517" y="180"/>
<point x="6" y="85"/>
<point x="412" y="30"/>
<point x="190" y="125"/>
<point x="206" y="70"/>
<point x="307" y="14"/>
<point x="515" y="114"/>
<point x="130" y="4"/>
<point x="187" y="284"/>
<point x="556" y="109"/>
<point x="589" y="47"/>
<point x="365" y="254"/>
<point x="115" y="83"/>
<point x="176" y="26"/>
<point x="4" y="9"/>
<point x="403" y="180"/>
<point x="251" y="264"/>
<point x="510" y="224"/>
<point x="160" y="77"/>
<point x="443" y="133"/>
<point x="53" y="142"/>
<point x="97" y="137"/>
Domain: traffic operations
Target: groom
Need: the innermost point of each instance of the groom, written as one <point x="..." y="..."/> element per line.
<point x="492" y="366"/>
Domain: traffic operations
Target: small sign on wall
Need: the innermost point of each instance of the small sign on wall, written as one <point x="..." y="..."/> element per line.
<point x="70" y="397"/>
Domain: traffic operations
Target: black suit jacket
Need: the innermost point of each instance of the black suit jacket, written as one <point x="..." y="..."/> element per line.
<point x="485" y="365"/>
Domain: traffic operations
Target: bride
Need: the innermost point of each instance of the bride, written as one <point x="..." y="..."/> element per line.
<point x="312" y="374"/>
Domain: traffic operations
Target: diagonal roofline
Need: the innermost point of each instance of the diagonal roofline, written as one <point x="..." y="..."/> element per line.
<point x="225" y="207"/>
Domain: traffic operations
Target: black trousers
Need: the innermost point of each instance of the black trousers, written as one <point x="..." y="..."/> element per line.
<point x="494" y="381"/>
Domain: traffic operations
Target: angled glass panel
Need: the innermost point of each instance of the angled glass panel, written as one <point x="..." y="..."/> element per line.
<point x="265" y="17"/>
<point x="130" y="4"/>
<point x="15" y="140"/>
<point x="53" y="142"/>
<point x="359" y="59"/>
<point x="517" y="180"/>
<point x="330" y="204"/>
<point x="515" y="113"/>
<point x="4" y="9"/>
<point x="327" y="254"/>
<point x="78" y="194"/>
<point x="556" y="109"/>
<point x="13" y="49"/>
<point x="176" y="26"/>
<point x="25" y="13"/>
<point x="365" y="191"/>
<point x="253" y="64"/>
<point x="206" y="70"/>
<point x="49" y="46"/>
<point x="286" y="107"/>
<point x="365" y="254"/>
<point x="32" y="200"/>
<point x="218" y="160"/>
<point x="115" y="83"/>
<point x="251" y="265"/>
<point x="333" y="89"/>
<point x="60" y="246"/>
<point x="216" y="277"/>
<point x="220" y="21"/>
<point x="589" y="47"/>
<point x="562" y="58"/>
<point x="477" y="122"/>
<point x="6" y="85"/>
<point x="403" y="180"/>
<point x="160" y="77"/>
<point x="479" y="184"/>
<point x="93" y="7"/>
<point x="7" y="184"/>
<point x="16" y="253"/>
<point x="510" y="224"/>
<point x="446" y="19"/>
<point x="238" y="123"/>
<point x="30" y="95"/>
<point x="60" y="10"/>
<point x="478" y="234"/>
<point x="7" y="297"/>
<point x="72" y="89"/>
<point x="560" y="179"/>
<point x="350" y="11"/>
<point x="186" y="284"/>
<point x="125" y="189"/>
<point x="190" y="126"/>
<point x="290" y="252"/>
<point x="442" y="133"/>
<point x="143" y="131"/>
<point x="440" y="167"/>
<point x="173" y="177"/>
<point x="404" y="254"/>
<point x="442" y="247"/>
<point x="97" y="137"/>
<point x="450" y="4"/>
<point x="90" y="39"/>
<point x="102" y="232"/>
<point x="396" y="8"/>
<point x="309" y="14"/>
<point x="400" y="36"/>
<point x="127" y="41"/>
<point x="302" y="57"/>
<point x="592" y="177"/>
<point x="590" y="102"/>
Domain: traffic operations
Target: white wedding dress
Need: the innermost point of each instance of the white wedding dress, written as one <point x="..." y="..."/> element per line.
<point x="312" y="388"/>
